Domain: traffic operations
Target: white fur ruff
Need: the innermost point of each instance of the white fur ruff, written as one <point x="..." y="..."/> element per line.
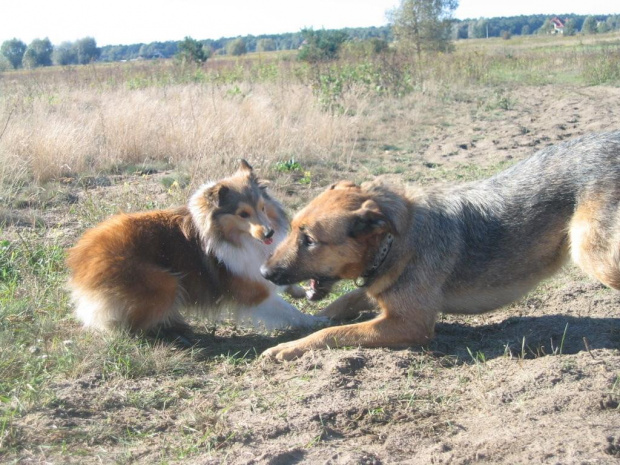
<point x="245" y="260"/>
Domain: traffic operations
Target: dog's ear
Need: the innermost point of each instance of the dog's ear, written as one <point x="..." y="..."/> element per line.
<point x="216" y="194"/>
<point x="245" y="167"/>
<point x="343" y="185"/>
<point x="369" y="219"/>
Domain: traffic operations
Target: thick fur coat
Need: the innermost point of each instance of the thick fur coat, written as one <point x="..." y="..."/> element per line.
<point x="461" y="249"/>
<point x="139" y="271"/>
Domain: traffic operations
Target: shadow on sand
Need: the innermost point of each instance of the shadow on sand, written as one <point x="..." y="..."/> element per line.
<point x="525" y="337"/>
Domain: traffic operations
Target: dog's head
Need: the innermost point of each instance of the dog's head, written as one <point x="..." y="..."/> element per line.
<point x="236" y="206"/>
<point x="334" y="237"/>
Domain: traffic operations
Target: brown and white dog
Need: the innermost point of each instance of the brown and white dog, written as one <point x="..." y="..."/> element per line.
<point x="137" y="271"/>
<point x="462" y="249"/>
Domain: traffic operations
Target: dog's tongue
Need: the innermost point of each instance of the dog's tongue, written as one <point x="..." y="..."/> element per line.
<point x="319" y="288"/>
<point x="268" y="241"/>
<point x="315" y="292"/>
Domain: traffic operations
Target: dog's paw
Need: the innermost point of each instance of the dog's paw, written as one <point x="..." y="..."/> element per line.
<point x="284" y="352"/>
<point x="295" y="291"/>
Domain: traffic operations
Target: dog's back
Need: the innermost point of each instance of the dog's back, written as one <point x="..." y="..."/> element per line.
<point x="504" y="234"/>
<point x="131" y="268"/>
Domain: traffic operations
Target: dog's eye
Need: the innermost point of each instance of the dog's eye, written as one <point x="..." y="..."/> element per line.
<point x="308" y="241"/>
<point x="244" y="215"/>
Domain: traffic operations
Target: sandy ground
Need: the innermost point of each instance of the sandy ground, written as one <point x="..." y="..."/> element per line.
<point x="537" y="382"/>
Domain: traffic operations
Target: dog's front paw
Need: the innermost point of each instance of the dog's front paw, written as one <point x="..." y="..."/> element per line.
<point x="284" y="351"/>
<point x="295" y="291"/>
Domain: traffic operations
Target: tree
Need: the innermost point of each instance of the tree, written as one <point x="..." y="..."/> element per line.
<point x="546" y="28"/>
<point x="570" y="27"/>
<point x="86" y="50"/>
<point x="64" y="54"/>
<point x="13" y="50"/>
<point x="459" y="30"/>
<point x="321" y="45"/>
<point x="157" y="50"/>
<point x="38" y="53"/>
<point x="424" y="24"/>
<point x="589" y="25"/>
<point x="602" y="27"/>
<point x="4" y="63"/>
<point x="236" y="47"/>
<point x="29" y="60"/>
<point x="265" y="45"/>
<point x="478" y="29"/>
<point x="613" y="22"/>
<point x="190" y="50"/>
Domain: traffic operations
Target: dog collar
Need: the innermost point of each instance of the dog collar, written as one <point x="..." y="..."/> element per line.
<point x="384" y="250"/>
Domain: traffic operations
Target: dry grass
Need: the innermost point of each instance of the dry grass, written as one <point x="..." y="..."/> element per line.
<point x="72" y="132"/>
<point x="65" y="121"/>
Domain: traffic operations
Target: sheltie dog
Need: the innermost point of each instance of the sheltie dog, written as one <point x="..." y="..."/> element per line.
<point x="137" y="271"/>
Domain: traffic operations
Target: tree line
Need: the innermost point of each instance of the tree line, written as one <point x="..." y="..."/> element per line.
<point x="421" y="22"/>
<point x="533" y="24"/>
<point x="16" y="54"/>
<point x="233" y="45"/>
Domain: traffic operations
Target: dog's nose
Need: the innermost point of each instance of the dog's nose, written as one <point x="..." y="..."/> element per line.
<point x="269" y="234"/>
<point x="266" y="272"/>
<point x="276" y="275"/>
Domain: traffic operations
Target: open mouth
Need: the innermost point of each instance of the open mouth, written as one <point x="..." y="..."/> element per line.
<point x="268" y="241"/>
<point x="319" y="288"/>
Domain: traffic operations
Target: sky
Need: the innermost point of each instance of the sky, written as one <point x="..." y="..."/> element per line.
<point x="142" y="21"/>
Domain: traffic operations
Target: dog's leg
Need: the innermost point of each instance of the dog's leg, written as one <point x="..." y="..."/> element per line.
<point x="595" y="242"/>
<point x="383" y="331"/>
<point x="276" y="313"/>
<point x="349" y="305"/>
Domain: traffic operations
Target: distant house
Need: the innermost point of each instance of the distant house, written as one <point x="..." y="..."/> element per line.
<point x="558" y="25"/>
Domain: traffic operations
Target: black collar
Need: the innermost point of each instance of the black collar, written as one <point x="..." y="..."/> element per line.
<point x="384" y="250"/>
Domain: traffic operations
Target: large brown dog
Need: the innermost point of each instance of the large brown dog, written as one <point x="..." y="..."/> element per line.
<point x="464" y="249"/>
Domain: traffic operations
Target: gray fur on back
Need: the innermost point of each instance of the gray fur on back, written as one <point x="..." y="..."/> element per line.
<point x="510" y="229"/>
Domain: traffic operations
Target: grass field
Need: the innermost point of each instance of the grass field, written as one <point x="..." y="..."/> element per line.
<point x="536" y="382"/>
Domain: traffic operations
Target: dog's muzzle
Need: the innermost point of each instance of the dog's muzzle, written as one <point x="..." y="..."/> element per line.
<point x="276" y="275"/>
